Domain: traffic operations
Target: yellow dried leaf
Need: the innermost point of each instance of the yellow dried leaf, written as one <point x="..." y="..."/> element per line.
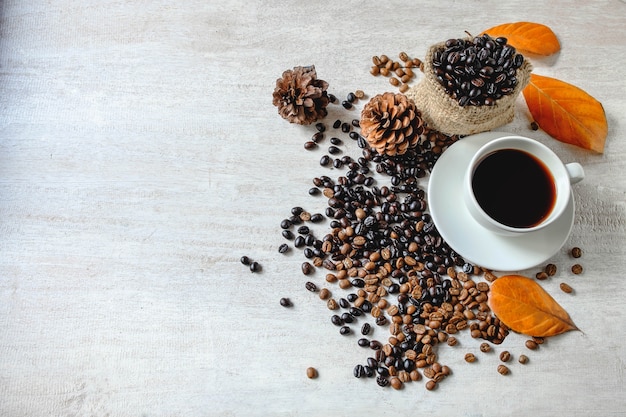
<point x="525" y="307"/>
<point x="527" y="37"/>
<point x="566" y="112"/>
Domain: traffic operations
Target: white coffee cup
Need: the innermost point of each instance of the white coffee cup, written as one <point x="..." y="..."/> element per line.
<point x="516" y="185"/>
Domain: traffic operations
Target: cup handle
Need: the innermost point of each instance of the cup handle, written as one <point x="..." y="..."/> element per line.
<point x="575" y="171"/>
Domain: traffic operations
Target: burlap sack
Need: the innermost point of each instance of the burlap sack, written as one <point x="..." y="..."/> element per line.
<point x="443" y="113"/>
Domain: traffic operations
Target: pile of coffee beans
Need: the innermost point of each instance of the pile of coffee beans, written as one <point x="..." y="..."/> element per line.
<point x="385" y="254"/>
<point x="477" y="71"/>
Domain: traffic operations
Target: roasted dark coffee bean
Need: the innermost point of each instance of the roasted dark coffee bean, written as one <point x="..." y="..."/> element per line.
<point x="382" y="381"/>
<point x="345" y="127"/>
<point x="285" y="224"/>
<point x="307" y="268"/>
<point x="355" y="311"/>
<point x="332" y="98"/>
<point x="308" y="253"/>
<point x="285" y="302"/>
<point x="255" y="267"/>
<point x="320" y="127"/>
<point x="363" y="342"/>
<point x="325" y="160"/>
<point x="346" y="104"/>
<point x="283" y="248"/>
<point x="310" y="286"/>
<point x="245" y="260"/>
<point x="317" y="137"/>
<point x="303" y="230"/>
<point x="365" y="329"/>
<point x="353" y="135"/>
<point x="336" y="320"/>
<point x="352" y="297"/>
<point x="344" y="330"/>
<point x="333" y="150"/>
<point x="358" y="371"/>
<point x="287" y="234"/>
<point x="337" y="124"/>
<point x="309" y="145"/>
<point x="309" y="240"/>
<point x="317" y="217"/>
<point x="375" y="345"/>
<point x="356" y="123"/>
<point x="336" y="141"/>
<point x="368" y="372"/>
<point x="347" y="317"/>
<point x="299" y="242"/>
<point x="351" y="97"/>
<point x="314" y="191"/>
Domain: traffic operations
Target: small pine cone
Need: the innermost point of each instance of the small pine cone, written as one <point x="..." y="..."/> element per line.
<point x="300" y="97"/>
<point x="391" y="123"/>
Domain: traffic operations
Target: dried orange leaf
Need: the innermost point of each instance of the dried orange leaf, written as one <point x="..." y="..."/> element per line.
<point x="527" y="37"/>
<point x="525" y="307"/>
<point x="566" y="112"/>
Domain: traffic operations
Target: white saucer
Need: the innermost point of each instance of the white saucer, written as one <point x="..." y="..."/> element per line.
<point x="471" y="240"/>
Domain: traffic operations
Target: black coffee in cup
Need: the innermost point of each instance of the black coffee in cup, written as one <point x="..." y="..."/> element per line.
<point x="514" y="188"/>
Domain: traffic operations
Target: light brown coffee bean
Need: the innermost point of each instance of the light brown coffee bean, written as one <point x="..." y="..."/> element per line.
<point x="324" y="294"/>
<point x="531" y="344"/>
<point x="566" y="288"/>
<point x="577" y="252"/>
<point x="503" y="369"/>
<point x="396" y="383"/>
<point x="431" y="385"/>
<point x="541" y="275"/>
<point x="311" y="373"/>
<point x="485" y="347"/>
<point x="523" y="359"/>
<point x="505" y="356"/>
<point x="470" y="357"/>
<point x="577" y="269"/>
<point x="551" y="270"/>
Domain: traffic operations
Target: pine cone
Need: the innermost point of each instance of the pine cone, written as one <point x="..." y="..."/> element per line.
<point x="391" y="123"/>
<point x="300" y="97"/>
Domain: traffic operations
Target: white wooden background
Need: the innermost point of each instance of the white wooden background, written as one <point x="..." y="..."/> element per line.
<point x="140" y="157"/>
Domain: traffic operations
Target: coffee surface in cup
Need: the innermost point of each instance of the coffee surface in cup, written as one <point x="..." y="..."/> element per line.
<point x="514" y="188"/>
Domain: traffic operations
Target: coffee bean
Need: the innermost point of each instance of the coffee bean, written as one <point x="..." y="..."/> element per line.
<point x="358" y="371"/>
<point x="309" y="145"/>
<point x="283" y="248"/>
<point x="285" y="302"/>
<point x="307" y="268"/>
<point x="325" y="160"/>
<point x="255" y="267"/>
<point x="344" y="330"/>
<point x="365" y="329"/>
<point x="469" y="357"/>
<point x="551" y="269"/>
<point x="311" y="373"/>
<point x="363" y="342"/>
<point x="337" y="124"/>
<point x="576" y="252"/>
<point x="577" y="269"/>
<point x="346" y="104"/>
<point x="505" y="356"/>
<point x="336" y="320"/>
<point x="245" y="260"/>
<point x="523" y="359"/>
<point x="310" y="286"/>
<point x="531" y="344"/>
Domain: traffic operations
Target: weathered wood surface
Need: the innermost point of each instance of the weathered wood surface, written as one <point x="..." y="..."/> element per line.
<point x="140" y="157"/>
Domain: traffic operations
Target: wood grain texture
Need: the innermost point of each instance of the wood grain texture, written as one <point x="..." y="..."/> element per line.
<point x="140" y="157"/>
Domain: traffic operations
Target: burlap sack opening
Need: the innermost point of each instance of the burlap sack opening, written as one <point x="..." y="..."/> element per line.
<point x="443" y="113"/>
